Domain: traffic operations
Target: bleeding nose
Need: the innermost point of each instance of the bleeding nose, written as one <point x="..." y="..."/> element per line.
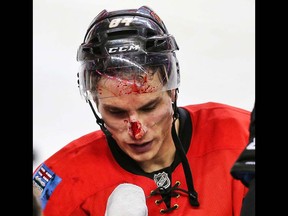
<point x="136" y="130"/>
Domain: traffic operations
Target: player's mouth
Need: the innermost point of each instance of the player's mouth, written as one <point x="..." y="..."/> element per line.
<point x="141" y="148"/>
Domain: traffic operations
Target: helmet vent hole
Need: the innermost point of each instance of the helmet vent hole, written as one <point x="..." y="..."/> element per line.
<point x="94" y="40"/>
<point x="160" y="42"/>
<point x="150" y="33"/>
<point x="121" y="34"/>
<point x="93" y="50"/>
<point x="149" y="44"/>
<point x="156" y="45"/>
<point x="96" y="51"/>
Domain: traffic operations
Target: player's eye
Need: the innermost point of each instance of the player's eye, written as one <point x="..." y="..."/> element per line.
<point x="149" y="108"/>
<point x="116" y="112"/>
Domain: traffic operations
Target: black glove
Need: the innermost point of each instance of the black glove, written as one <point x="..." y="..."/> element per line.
<point x="244" y="168"/>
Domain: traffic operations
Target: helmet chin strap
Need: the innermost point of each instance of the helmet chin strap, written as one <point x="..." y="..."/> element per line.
<point x="193" y="196"/>
<point x="99" y="121"/>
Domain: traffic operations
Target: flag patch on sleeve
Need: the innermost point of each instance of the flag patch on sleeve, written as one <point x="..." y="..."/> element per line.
<point x="44" y="183"/>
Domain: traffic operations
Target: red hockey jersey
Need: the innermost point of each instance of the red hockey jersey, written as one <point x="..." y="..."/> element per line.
<point x="78" y="179"/>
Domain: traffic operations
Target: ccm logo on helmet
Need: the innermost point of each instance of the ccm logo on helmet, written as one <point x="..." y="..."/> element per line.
<point x="126" y="48"/>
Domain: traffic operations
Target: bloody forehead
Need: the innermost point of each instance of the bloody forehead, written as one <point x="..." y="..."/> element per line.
<point x="110" y="86"/>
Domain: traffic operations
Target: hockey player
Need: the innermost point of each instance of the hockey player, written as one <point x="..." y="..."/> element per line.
<point x="177" y="158"/>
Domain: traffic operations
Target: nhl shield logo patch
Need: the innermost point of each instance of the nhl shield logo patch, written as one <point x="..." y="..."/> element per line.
<point x="162" y="180"/>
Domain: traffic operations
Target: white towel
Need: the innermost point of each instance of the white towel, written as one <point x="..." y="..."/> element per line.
<point x="127" y="200"/>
